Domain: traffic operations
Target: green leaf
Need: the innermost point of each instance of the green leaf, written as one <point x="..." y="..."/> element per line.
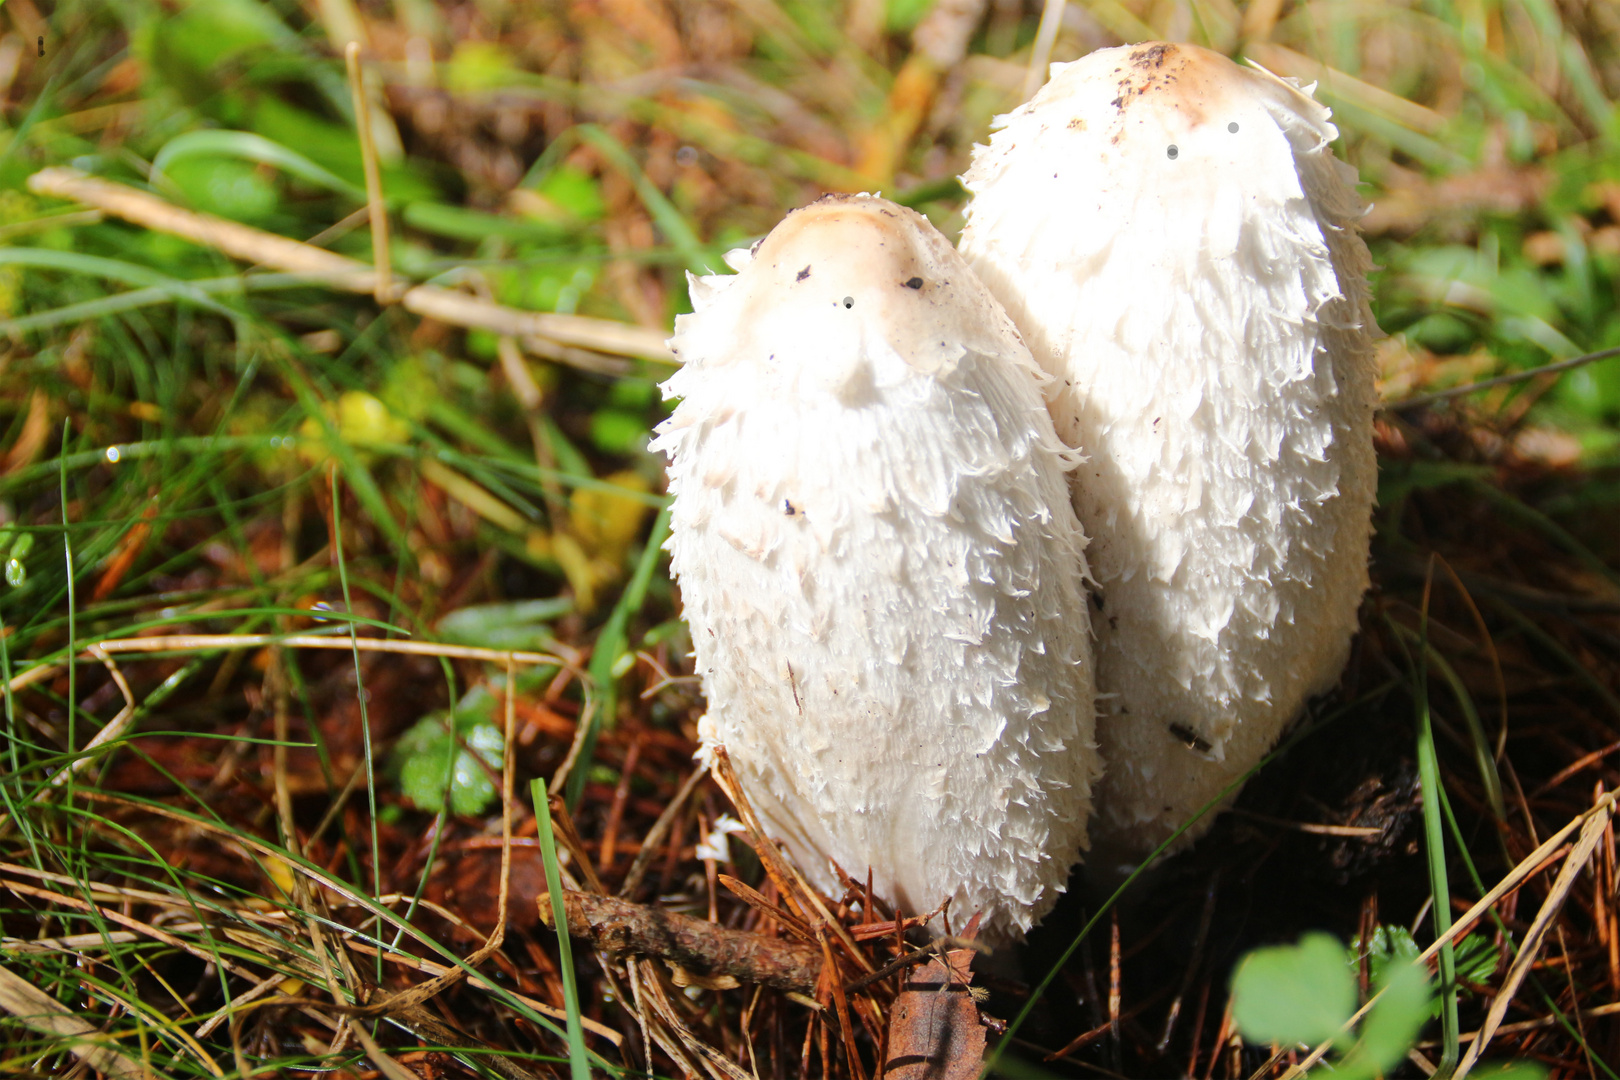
<point x="1442" y="332"/>
<point x="616" y="432"/>
<point x="207" y="32"/>
<point x="1396" y="1018"/>
<point x="1516" y="1070"/>
<point x="1477" y="960"/>
<point x="479" y="66"/>
<point x="902" y="16"/>
<point x="1293" y="994"/>
<point x="334" y="147"/>
<point x="518" y="625"/>
<point x="430" y="761"/>
<point x="632" y="393"/>
<point x="248" y="146"/>
<point x="574" y="191"/>
<point x="1389" y="946"/>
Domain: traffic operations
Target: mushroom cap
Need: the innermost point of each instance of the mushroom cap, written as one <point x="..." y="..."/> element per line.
<point x="838" y="275"/>
<point x="880" y="566"/>
<point x="1176" y="242"/>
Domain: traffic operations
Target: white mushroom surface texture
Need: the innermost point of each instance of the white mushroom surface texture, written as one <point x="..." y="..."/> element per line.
<point x="1177" y="244"/>
<point x="881" y="568"/>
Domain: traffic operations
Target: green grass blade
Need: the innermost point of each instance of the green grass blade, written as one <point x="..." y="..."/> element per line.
<point x="609" y="643"/>
<point x="73" y="314"/>
<point x="360" y="697"/>
<point x="1434" y="843"/>
<point x="72" y="605"/>
<point x="1484" y="757"/>
<point x="670" y="221"/>
<point x="578" y="1063"/>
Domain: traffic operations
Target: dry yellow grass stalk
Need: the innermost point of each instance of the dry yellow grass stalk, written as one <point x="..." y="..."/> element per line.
<point x="45" y="1014"/>
<point x="340" y="272"/>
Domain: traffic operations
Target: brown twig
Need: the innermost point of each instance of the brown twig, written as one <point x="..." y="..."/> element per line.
<point x="620" y="928"/>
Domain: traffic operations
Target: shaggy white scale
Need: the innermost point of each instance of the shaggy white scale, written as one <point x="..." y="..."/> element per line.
<point x="1176" y="241"/>
<point x="881" y="568"/>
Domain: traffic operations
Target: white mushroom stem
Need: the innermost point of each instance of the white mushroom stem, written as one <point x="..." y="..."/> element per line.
<point x="880" y="566"/>
<point x="1176" y="242"/>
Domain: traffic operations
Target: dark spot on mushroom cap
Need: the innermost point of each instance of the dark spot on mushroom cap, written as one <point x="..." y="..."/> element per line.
<point x="1232" y="127"/>
<point x="1077" y="124"/>
<point x="1173" y="152"/>
<point x="849" y="301"/>
<point x="914" y="283"/>
<point x="803" y="274"/>
<point x="1151" y="57"/>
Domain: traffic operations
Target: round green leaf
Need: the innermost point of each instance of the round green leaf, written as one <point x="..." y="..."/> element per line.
<point x="1396" y="1018"/>
<point x="1293" y="993"/>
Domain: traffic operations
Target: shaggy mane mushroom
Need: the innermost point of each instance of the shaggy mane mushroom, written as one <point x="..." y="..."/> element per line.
<point x="880" y="566"/>
<point x="1176" y="242"/>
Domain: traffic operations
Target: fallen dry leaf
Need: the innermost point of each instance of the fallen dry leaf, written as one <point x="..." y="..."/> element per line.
<point x="935" y="1033"/>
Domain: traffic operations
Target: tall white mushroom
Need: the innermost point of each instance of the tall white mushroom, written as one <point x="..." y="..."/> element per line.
<point x="880" y="565"/>
<point x="1176" y="241"/>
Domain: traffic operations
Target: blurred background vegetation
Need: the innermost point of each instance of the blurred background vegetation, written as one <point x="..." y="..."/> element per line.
<point x="193" y="444"/>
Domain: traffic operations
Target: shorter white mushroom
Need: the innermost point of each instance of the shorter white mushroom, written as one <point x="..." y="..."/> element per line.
<point x="1176" y="241"/>
<point x="880" y="566"/>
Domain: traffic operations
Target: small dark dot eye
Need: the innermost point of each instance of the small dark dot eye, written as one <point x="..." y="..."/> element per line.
<point x="914" y="283"/>
<point x="1232" y="127"/>
<point x="849" y="301"/>
<point x="1173" y="152"/>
